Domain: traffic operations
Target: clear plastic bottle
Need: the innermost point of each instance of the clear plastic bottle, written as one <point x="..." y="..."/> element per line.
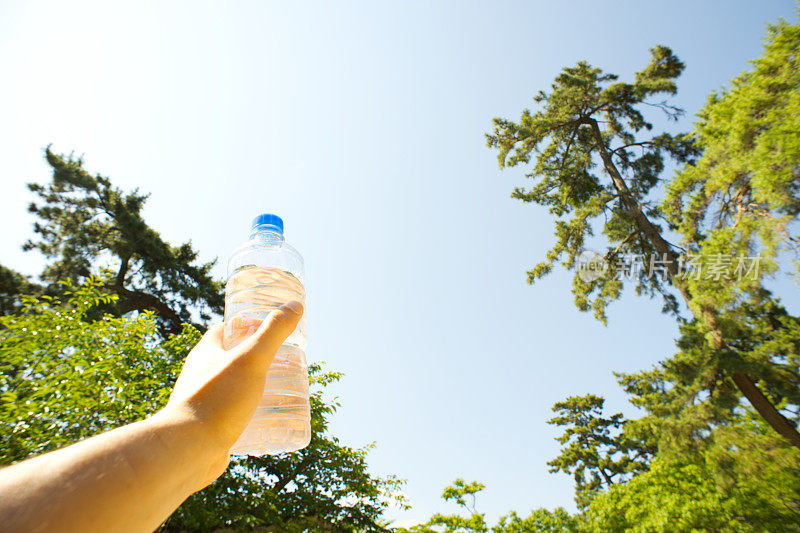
<point x="263" y="274"/>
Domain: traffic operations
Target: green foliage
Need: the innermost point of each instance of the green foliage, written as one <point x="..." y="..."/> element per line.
<point x="463" y="494"/>
<point x="671" y="497"/>
<point x="539" y="521"/>
<point x="745" y="481"/>
<point x="67" y="374"/>
<point x="595" y="449"/>
<point x="742" y="194"/>
<point x="63" y="379"/>
<point x="84" y="222"/>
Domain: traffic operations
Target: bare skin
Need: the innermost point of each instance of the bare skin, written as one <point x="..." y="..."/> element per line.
<point x="132" y="478"/>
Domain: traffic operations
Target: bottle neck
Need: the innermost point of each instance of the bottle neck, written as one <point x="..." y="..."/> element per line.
<point x="266" y="236"/>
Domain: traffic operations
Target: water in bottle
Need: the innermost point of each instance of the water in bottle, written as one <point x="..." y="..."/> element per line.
<point x="263" y="274"/>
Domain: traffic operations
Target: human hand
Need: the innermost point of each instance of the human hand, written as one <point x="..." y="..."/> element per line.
<point x="218" y="390"/>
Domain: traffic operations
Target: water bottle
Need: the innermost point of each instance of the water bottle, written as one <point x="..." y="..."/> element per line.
<point x="263" y="274"/>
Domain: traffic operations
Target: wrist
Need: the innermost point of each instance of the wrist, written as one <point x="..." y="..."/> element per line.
<point x="184" y="436"/>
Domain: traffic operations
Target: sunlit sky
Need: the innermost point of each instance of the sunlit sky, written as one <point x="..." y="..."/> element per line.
<point x="362" y="124"/>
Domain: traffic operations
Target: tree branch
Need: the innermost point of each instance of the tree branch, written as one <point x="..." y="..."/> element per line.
<point x="279" y="486"/>
<point x="123" y="270"/>
<point x="140" y="301"/>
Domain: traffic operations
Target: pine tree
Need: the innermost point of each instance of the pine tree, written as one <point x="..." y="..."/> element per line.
<point x="595" y="449"/>
<point x="85" y="223"/>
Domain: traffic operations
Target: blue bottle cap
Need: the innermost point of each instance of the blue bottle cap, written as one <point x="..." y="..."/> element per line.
<point x="267" y="222"/>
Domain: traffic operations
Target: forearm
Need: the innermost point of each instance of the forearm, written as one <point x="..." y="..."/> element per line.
<point x="129" y="479"/>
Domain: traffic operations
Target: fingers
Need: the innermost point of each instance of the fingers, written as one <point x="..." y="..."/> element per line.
<point x="264" y="343"/>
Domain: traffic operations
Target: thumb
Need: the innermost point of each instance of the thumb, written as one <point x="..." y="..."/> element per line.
<point x="262" y="345"/>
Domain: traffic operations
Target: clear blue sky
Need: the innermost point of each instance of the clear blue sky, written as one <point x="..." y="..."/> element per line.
<point x="361" y="124"/>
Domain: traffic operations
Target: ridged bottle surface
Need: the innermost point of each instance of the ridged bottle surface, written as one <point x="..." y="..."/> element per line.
<point x="263" y="274"/>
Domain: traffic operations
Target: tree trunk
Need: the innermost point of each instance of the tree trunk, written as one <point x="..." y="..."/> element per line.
<point x="774" y="418"/>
